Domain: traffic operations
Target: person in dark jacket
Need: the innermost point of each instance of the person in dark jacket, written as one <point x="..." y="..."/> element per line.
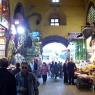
<point x="56" y="70"/>
<point x="65" y="72"/>
<point x="27" y="83"/>
<point x="35" y="69"/>
<point x="7" y="80"/>
<point x="71" y="69"/>
<point x="60" y="69"/>
<point x="52" y="69"/>
<point x="17" y="69"/>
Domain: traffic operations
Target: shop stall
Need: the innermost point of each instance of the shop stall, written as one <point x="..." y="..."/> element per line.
<point x="4" y="26"/>
<point x="85" y="76"/>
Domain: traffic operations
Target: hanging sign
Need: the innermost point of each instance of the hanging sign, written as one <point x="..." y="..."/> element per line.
<point x="35" y="35"/>
<point x="73" y="35"/>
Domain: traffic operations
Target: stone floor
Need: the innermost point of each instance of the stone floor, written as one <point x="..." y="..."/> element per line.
<point x="57" y="87"/>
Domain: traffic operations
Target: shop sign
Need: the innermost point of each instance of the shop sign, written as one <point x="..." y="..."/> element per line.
<point x="73" y="35"/>
<point x="35" y="35"/>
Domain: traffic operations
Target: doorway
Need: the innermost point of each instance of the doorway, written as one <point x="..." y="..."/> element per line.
<point x="54" y="52"/>
<point x="54" y="48"/>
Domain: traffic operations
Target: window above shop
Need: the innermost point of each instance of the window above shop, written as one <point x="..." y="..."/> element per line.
<point x="54" y="22"/>
<point x="56" y="18"/>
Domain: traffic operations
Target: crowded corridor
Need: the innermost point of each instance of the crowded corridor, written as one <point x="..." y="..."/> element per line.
<point x="47" y="47"/>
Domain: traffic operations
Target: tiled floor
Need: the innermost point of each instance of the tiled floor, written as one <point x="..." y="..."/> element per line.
<point x="58" y="88"/>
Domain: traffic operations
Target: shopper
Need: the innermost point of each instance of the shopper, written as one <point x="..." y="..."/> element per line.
<point x="71" y="69"/>
<point x="65" y="71"/>
<point x="60" y="69"/>
<point x="7" y="80"/>
<point x="56" y="70"/>
<point x="27" y="83"/>
<point x="52" y="69"/>
<point x="35" y="68"/>
<point x="44" y="72"/>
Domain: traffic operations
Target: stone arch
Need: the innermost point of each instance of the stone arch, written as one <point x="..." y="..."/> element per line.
<point x="55" y="38"/>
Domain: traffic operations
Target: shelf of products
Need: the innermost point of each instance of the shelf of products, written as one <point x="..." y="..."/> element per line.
<point x="85" y="76"/>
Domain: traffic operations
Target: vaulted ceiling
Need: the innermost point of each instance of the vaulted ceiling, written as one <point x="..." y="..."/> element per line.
<point x="31" y="4"/>
<point x="63" y="2"/>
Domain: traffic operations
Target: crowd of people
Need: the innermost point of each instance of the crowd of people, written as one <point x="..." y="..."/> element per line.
<point x="65" y="71"/>
<point x="19" y="81"/>
<point x="56" y="69"/>
<point x="23" y="80"/>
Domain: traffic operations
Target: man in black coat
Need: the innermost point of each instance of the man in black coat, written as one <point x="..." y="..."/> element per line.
<point x="65" y="65"/>
<point x="71" y="69"/>
<point x="7" y="80"/>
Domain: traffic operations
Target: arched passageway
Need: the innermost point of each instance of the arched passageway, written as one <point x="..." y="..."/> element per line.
<point x="58" y="39"/>
<point x="54" y="48"/>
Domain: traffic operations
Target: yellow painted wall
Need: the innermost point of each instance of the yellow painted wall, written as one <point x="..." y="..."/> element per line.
<point x="75" y="14"/>
<point x="13" y="4"/>
<point x="75" y="11"/>
<point x="93" y="1"/>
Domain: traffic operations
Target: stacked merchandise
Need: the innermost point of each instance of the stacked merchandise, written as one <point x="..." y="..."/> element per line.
<point x="85" y="76"/>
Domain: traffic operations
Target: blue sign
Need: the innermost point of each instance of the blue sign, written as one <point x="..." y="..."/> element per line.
<point x="35" y="35"/>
